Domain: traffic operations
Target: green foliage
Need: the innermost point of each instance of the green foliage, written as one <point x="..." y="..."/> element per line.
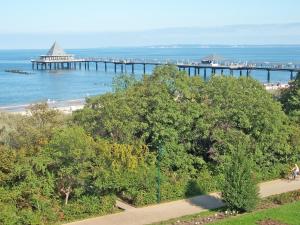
<point x="285" y="197"/>
<point x="123" y="82"/>
<point x="199" y="124"/>
<point x="68" y="156"/>
<point x="53" y="169"/>
<point x="30" y="131"/>
<point x="89" y="206"/>
<point x="241" y="108"/>
<point x="239" y="190"/>
<point x="290" y="99"/>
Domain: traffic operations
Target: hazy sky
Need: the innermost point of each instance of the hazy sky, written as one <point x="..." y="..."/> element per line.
<point x="131" y="15"/>
<point x="33" y="23"/>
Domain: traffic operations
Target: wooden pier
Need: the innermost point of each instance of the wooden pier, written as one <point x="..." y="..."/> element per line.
<point x="56" y="59"/>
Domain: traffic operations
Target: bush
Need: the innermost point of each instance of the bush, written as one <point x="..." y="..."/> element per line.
<point x="145" y="198"/>
<point x="88" y="206"/>
<point x="239" y="189"/>
<point x="8" y="214"/>
<point x="206" y="182"/>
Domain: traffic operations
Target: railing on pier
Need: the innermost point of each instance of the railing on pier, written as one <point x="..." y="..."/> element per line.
<point x="181" y="64"/>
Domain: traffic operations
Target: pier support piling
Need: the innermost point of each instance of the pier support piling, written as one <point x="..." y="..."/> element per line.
<point x="192" y="69"/>
<point x="212" y="71"/>
<point x="291" y="76"/>
<point x="269" y="76"/>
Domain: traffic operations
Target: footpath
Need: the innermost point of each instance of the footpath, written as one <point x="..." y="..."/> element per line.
<point x="169" y="210"/>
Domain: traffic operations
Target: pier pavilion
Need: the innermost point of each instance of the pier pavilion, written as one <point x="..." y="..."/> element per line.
<point x="56" y="58"/>
<point x="56" y="53"/>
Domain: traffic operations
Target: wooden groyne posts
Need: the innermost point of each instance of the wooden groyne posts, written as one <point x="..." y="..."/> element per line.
<point x="192" y="68"/>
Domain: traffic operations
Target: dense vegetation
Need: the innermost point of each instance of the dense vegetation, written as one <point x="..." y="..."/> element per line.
<point x="54" y="167"/>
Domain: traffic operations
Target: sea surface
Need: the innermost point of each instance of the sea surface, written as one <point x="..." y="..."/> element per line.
<point x="63" y="85"/>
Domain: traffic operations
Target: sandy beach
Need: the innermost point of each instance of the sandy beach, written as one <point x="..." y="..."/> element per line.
<point x="66" y="107"/>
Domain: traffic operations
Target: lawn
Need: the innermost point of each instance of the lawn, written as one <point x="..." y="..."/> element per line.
<point x="188" y="217"/>
<point x="289" y="214"/>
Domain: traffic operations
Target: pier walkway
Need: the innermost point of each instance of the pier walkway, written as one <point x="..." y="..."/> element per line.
<point x="57" y="59"/>
<point x="192" y="67"/>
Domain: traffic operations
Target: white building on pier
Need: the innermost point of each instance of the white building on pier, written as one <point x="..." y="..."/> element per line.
<point x="56" y="53"/>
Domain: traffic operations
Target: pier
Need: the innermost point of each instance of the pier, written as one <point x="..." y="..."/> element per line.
<point x="57" y="59"/>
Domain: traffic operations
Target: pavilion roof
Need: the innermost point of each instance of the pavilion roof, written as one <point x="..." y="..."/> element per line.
<point x="56" y="50"/>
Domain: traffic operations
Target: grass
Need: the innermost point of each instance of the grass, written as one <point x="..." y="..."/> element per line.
<point x="283" y="207"/>
<point x="289" y="213"/>
<point x="189" y="217"/>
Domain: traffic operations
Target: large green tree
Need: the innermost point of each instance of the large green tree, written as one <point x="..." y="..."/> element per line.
<point x="242" y="107"/>
<point x="290" y="99"/>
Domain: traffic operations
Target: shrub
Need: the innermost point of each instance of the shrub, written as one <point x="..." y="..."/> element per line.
<point x="8" y="214"/>
<point x="206" y="182"/>
<point x="239" y="190"/>
<point x="144" y="198"/>
<point x="88" y="206"/>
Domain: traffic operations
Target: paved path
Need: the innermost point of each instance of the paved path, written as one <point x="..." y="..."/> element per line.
<point x="166" y="211"/>
<point x="122" y="205"/>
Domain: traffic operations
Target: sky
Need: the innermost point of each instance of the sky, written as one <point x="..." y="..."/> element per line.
<point x="24" y="23"/>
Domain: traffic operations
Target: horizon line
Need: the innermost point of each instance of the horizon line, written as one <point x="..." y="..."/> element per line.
<point x="147" y="30"/>
<point x="169" y="46"/>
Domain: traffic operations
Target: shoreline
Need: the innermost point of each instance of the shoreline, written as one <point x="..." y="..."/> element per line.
<point x="66" y="107"/>
<point x="69" y="106"/>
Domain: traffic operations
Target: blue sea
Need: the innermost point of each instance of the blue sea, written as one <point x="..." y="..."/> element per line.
<point x="17" y="89"/>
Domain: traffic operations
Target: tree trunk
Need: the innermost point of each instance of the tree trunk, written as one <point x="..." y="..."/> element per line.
<point x="67" y="197"/>
<point x="66" y="192"/>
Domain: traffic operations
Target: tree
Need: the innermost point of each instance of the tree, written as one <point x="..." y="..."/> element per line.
<point x="239" y="190"/>
<point x="290" y="99"/>
<point x="243" y="105"/>
<point x="30" y="131"/>
<point x="199" y="123"/>
<point x="68" y="156"/>
<point x="123" y="82"/>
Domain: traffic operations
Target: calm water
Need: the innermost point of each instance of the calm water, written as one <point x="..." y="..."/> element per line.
<point x="65" y="85"/>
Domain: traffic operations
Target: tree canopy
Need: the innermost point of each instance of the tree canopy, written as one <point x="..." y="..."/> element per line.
<point x="166" y="132"/>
